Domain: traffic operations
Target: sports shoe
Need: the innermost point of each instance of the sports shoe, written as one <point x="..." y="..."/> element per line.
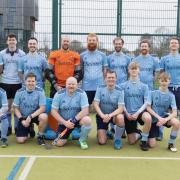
<point x="4" y="143"/>
<point x="41" y="140"/>
<point x="83" y="145"/>
<point x="117" y="144"/>
<point x="160" y="137"/>
<point x="109" y="134"/>
<point x="172" y="148"/>
<point x="144" y="146"/>
<point x="31" y="131"/>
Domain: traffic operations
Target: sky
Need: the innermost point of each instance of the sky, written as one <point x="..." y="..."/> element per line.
<point x="100" y="16"/>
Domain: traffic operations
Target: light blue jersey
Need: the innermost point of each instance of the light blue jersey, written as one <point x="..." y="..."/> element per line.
<point x="161" y="102"/>
<point x="3" y="98"/>
<point x="93" y="64"/>
<point x="171" y="65"/>
<point x="148" y="66"/>
<point x="109" y="100"/>
<point x="119" y="63"/>
<point x="35" y="64"/>
<point x="135" y="95"/>
<point x="70" y="106"/>
<point x="29" y="102"/>
<point x="10" y="66"/>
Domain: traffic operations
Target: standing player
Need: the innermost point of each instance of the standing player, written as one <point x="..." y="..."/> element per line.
<point x="118" y="61"/>
<point x="3" y="118"/>
<point x="171" y="64"/>
<point x="70" y="109"/>
<point x="135" y="98"/>
<point x="159" y="103"/>
<point x="148" y="64"/>
<point x="10" y="80"/>
<point x="29" y="104"/>
<point x="109" y="104"/>
<point x="33" y="62"/>
<point x="63" y="64"/>
<point x="94" y="64"/>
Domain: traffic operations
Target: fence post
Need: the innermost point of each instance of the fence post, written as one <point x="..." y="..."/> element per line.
<point x="119" y="17"/>
<point x="55" y="27"/>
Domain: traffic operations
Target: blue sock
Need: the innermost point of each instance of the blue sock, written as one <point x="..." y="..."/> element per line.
<point x="118" y="132"/>
<point x="9" y="119"/>
<point x="161" y="129"/>
<point x="112" y="125"/>
<point x="4" y="128"/>
<point x="144" y="136"/>
<point x="84" y="132"/>
<point x="173" y="137"/>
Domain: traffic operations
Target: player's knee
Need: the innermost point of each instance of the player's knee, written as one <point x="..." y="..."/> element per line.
<point x="61" y="143"/>
<point x="101" y="141"/>
<point x="86" y="121"/>
<point x="119" y="120"/>
<point x="21" y="140"/>
<point x="175" y="123"/>
<point x="43" y="117"/>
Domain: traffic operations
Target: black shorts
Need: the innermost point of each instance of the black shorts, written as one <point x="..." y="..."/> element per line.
<point x="10" y="89"/>
<point x="131" y="126"/>
<point x="61" y="128"/>
<point x="101" y="124"/>
<point x="23" y="131"/>
<point x="154" y="131"/>
<point x="90" y="95"/>
<point x="176" y="93"/>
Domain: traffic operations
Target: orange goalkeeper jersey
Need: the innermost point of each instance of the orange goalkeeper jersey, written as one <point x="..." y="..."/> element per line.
<point x="64" y="63"/>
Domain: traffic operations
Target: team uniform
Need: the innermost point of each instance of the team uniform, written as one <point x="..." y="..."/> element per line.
<point x="135" y="96"/>
<point x="108" y="102"/>
<point x="119" y="63"/>
<point x="10" y="80"/>
<point x="171" y="65"/>
<point x="69" y="107"/>
<point x="36" y="64"/>
<point x="92" y="64"/>
<point x="28" y="102"/>
<point x="148" y="66"/>
<point x="3" y="115"/>
<point x="160" y="102"/>
<point x="64" y="63"/>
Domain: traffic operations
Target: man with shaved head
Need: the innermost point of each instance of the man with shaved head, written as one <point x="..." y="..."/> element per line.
<point x="63" y="63"/>
<point x="70" y="108"/>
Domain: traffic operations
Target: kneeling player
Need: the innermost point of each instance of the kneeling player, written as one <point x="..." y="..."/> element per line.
<point x="158" y="105"/>
<point x="29" y="104"/>
<point x="135" y="98"/>
<point x="108" y="103"/>
<point x="70" y="108"/>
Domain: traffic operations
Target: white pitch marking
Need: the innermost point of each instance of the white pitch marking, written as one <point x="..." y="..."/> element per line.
<point x="92" y="157"/>
<point x="27" y="168"/>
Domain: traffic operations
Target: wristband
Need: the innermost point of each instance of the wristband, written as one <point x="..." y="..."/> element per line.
<point x="21" y="119"/>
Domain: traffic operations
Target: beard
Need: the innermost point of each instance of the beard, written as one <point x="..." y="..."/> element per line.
<point x="92" y="46"/>
<point x="144" y="52"/>
<point x="65" y="47"/>
<point x="117" y="49"/>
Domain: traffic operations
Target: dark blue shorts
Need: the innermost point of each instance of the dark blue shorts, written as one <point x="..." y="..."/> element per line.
<point x="154" y="131"/>
<point x="176" y="93"/>
<point x="61" y="128"/>
<point x="101" y="124"/>
<point x="90" y="95"/>
<point x="131" y="126"/>
<point x="24" y="131"/>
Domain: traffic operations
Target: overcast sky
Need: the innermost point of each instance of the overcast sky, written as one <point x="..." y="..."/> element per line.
<point x="138" y="16"/>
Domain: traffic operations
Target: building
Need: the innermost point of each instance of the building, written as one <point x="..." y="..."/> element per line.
<point x="18" y="16"/>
